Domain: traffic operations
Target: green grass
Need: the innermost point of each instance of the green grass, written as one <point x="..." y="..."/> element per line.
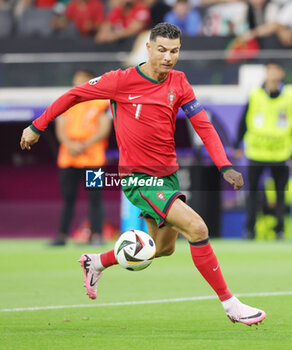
<point x="33" y="275"/>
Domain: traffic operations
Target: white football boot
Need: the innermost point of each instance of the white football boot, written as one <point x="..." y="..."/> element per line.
<point x="239" y="312"/>
<point x="92" y="268"/>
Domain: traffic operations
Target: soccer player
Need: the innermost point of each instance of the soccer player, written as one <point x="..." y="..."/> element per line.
<point x="145" y="101"/>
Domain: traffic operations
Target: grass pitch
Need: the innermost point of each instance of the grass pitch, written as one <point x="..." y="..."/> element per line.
<point x="34" y="275"/>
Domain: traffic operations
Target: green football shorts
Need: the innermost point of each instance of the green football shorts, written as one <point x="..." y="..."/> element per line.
<point x="153" y="195"/>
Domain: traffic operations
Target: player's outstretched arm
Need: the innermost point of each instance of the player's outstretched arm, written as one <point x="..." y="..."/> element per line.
<point x="28" y="138"/>
<point x="208" y="135"/>
<point x="103" y="88"/>
<point x="234" y="178"/>
<point x="199" y="120"/>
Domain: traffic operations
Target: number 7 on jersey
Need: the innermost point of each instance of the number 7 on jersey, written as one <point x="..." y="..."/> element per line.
<point x="138" y="110"/>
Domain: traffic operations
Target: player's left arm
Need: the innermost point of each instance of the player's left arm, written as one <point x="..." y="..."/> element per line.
<point x="205" y="129"/>
<point x="103" y="88"/>
<point x="32" y="133"/>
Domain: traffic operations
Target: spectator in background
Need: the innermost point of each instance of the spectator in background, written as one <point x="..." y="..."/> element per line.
<point x="82" y="132"/>
<point x="281" y="27"/>
<point x="260" y="12"/>
<point x="186" y="18"/>
<point x="6" y="20"/>
<point x="20" y="6"/>
<point x="6" y="5"/>
<point x="45" y="4"/>
<point x="224" y="18"/>
<point x="266" y="126"/>
<point x="86" y="15"/>
<point x="125" y="20"/>
<point x="158" y="9"/>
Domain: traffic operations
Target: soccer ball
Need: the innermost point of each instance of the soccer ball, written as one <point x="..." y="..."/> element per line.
<point x="135" y="250"/>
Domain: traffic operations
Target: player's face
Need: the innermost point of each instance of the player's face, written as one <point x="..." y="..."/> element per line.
<point x="275" y="73"/>
<point x="163" y="53"/>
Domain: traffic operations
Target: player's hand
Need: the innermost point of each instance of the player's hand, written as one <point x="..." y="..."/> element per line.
<point x="234" y="178"/>
<point x="28" y="138"/>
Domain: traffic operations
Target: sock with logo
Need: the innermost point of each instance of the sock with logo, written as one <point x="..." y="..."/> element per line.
<point x="207" y="264"/>
<point x="108" y="259"/>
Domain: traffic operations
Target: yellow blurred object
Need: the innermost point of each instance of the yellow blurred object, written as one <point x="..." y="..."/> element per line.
<point x="265" y="223"/>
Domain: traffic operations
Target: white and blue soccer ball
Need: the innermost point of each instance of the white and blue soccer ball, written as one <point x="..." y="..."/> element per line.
<point x="135" y="250"/>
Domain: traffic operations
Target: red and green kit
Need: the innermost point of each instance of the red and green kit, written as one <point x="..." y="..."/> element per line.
<point x="144" y="112"/>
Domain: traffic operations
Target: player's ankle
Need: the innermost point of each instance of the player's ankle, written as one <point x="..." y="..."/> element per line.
<point x="225" y="295"/>
<point x="227" y="304"/>
<point x="107" y="259"/>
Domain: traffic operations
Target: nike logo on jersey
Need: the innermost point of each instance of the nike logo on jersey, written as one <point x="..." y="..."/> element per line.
<point x="133" y="97"/>
<point x="216" y="268"/>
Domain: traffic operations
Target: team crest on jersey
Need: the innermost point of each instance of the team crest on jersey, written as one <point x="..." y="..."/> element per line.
<point x="94" y="81"/>
<point x="171" y="97"/>
<point x="160" y="196"/>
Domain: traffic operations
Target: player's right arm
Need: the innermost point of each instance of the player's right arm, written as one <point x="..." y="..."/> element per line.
<point x="100" y="88"/>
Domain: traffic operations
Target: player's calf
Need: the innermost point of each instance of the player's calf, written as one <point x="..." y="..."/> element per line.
<point x="164" y="251"/>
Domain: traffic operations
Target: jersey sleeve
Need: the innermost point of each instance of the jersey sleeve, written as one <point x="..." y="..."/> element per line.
<point x="187" y="91"/>
<point x="100" y="88"/>
<point x="205" y="129"/>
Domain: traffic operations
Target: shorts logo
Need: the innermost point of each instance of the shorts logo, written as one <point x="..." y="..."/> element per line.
<point x="94" y="179"/>
<point x="160" y="196"/>
<point x="94" y="81"/>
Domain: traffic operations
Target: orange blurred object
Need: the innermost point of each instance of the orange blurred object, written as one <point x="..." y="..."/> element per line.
<point x="82" y="233"/>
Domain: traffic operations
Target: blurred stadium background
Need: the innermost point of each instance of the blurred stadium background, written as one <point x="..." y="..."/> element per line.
<point x="42" y="302"/>
<point x="37" y="62"/>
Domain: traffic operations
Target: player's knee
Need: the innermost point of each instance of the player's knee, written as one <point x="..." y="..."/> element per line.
<point x="165" y="251"/>
<point x="198" y="231"/>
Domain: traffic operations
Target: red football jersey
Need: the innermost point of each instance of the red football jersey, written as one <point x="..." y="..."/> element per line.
<point x="144" y="113"/>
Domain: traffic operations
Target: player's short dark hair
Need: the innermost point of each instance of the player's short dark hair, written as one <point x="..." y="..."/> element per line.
<point x="166" y="30"/>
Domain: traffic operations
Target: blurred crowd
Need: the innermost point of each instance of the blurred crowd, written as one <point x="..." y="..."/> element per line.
<point x="112" y="20"/>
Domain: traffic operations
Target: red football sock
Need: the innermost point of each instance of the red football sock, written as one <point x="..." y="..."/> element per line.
<point x="207" y="263"/>
<point x="108" y="258"/>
